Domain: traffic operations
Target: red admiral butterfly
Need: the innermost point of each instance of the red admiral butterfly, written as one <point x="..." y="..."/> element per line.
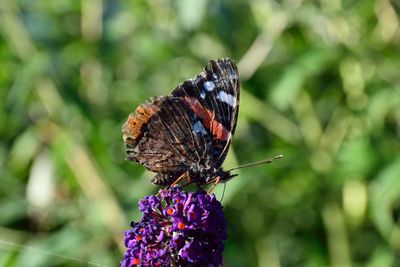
<point x="187" y="134"/>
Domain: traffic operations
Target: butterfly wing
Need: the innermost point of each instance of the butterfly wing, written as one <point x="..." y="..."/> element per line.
<point x="191" y="129"/>
<point x="167" y="138"/>
<point x="213" y="95"/>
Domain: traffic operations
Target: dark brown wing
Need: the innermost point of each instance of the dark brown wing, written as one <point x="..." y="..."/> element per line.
<point x="167" y="137"/>
<point x="214" y="96"/>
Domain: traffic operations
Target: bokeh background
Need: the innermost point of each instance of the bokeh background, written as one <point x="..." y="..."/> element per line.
<point x="320" y="85"/>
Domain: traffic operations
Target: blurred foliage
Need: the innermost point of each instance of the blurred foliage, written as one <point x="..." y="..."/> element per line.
<point x="320" y="85"/>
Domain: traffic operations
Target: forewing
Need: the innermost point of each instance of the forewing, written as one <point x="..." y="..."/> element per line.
<point x="214" y="97"/>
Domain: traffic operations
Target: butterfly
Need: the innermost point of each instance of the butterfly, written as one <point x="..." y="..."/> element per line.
<point x="185" y="136"/>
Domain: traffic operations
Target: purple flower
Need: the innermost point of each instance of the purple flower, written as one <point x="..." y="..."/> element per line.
<point x="177" y="229"/>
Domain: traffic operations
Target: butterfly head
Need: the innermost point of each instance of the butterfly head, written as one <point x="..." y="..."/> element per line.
<point x="217" y="176"/>
<point x="225" y="176"/>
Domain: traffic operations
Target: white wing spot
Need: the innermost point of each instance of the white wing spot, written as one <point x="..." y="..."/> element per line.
<point x="209" y="86"/>
<point x="202" y="94"/>
<point x="227" y="98"/>
<point x="199" y="128"/>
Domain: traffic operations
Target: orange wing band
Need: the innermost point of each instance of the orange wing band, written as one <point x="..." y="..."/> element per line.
<point x="132" y="127"/>
<point x="208" y="118"/>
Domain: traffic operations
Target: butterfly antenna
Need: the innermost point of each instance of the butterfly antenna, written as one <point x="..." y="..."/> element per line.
<point x="265" y="161"/>
<point x="223" y="193"/>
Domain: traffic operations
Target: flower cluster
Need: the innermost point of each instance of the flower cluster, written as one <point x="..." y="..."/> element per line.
<point x="177" y="229"/>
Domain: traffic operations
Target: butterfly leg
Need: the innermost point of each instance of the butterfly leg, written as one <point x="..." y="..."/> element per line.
<point x="179" y="179"/>
<point x="217" y="181"/>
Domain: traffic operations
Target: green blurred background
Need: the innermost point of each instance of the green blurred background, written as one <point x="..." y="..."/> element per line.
<point x="320" y="85"/>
